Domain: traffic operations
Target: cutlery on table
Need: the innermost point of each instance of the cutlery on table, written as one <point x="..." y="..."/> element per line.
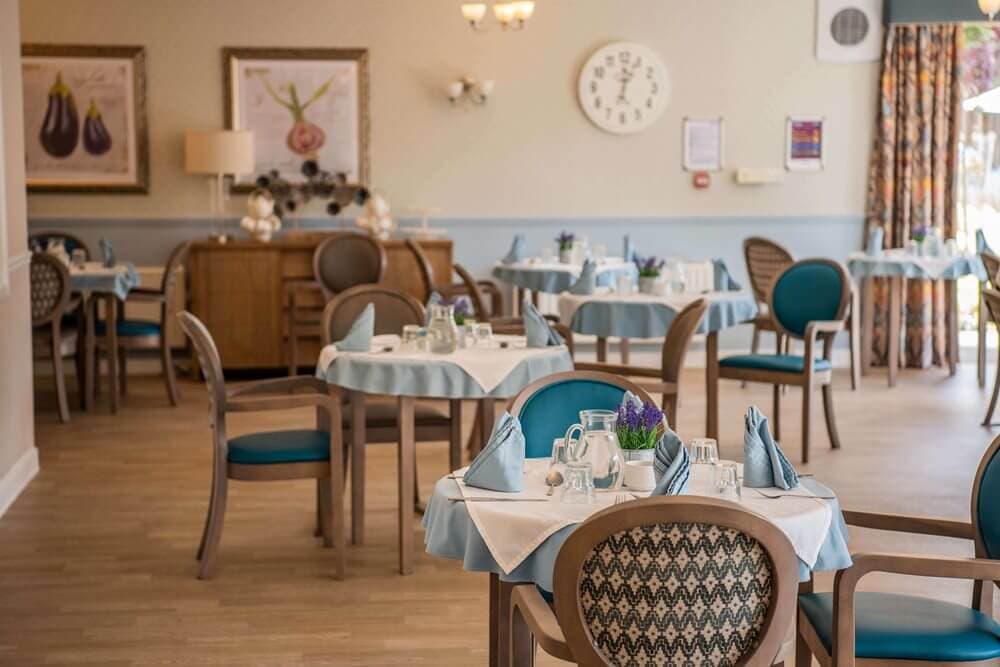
<point x="499" y="500"/>
<point x="553" y="478"/>
<point x="775" y="496"/>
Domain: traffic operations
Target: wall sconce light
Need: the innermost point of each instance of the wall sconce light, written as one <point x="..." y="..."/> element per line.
<point x="468" y="90"/>
<point x="989" y="7"/>
<point x="510" y="15"/>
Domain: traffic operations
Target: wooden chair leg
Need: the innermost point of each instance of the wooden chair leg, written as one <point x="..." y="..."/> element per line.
<point x="988" y="420"/>
<point x="854" y="342"/>
<point x="806" y="419"/>
<point x="522" y="643"/>
<point x="831" y="421"/>
<point x="208" y="517"/>
<point x="293" y="348"/>
<point x="803" y="656"/>
<point x="169" y="373"/>
<point x="623" y="346"/>
<point x="60" y="377"/>
<point x="80" y="358"/>
<point x="123" y="369"/>
<point x="215" y="519"/>
<point x="754" y="346"/>
<point x="455" y="439"/>
<point x="324" y="496"/>
<point x="318" y="530"/>
<point x="776" y="417"/>
<point x="475" y="443"/>
<point x="981" y="345"/>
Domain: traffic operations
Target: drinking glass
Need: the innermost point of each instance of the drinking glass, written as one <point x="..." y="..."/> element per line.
<point x="623" y="284"/>
<point x="704" y="451"/>
<point x="578" y="487"/>
<point x="597" y="445"/>
<point x="727" y="482"/>
<point x="484" y="336"/>
<point x="410" y="340"/>
<point x="78" y="257"/>
<point x="548" y="256"/>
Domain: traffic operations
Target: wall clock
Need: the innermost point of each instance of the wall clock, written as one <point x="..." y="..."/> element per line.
<point x="623" y="87"/>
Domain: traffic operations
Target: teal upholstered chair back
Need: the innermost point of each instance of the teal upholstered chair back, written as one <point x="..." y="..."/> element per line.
<point x="548" y="407"/>
<point x="808" y="291"/>
<point x="986" y="503"/>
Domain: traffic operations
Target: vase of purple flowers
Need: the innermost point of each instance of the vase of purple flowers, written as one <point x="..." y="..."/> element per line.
<point x="649" y="273"/>
<point x="639" y="429"/>
<point x="565" y="242"/>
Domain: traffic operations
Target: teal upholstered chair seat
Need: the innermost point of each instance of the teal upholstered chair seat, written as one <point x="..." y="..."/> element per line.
<point x="782" y="363"/>
<point x="280" y="447"/>
<point x="903" y="627"/>
<point x="130" y="328"/>
<point x="551" y="410"/>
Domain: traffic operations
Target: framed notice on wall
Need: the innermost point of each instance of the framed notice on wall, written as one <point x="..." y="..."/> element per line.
<point x="703" y="144"/>
<point x="804" y="147"/>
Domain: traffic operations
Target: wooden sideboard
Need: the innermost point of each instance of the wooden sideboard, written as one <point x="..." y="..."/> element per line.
<point x="238" y="289"/>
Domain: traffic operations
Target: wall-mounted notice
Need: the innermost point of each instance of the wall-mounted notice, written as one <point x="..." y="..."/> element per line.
<point x="703" y="144"/>
<point x="804" y="143"/>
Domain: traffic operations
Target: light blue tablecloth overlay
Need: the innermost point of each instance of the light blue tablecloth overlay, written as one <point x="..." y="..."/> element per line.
<point x="637" y="319"/>
<point x="437" y="380"/>
<point x="119" y="283"/>
<point x="887" y="265"/>
<point x="450" y="533"/>
<point x="555" y="281"/>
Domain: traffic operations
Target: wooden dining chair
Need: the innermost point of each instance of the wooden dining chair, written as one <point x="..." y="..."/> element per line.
<point x="274" y="455"/>
<point x="339" y="262"/>
<point x="808" y="301"/>
<point x="146" y="334"/>
<point x="51" y="304"/>
<point x="484" y="295"/>
<point x="848" y="627"/>
<point x="393" y="310"/>
<point x="992" y="265"/>
<point x="674" y="580"/>
<point x="39" y="241"/>
<point x="548" y="406"/>
<point x="991" y="303"/>
<point x="675" y="347"/>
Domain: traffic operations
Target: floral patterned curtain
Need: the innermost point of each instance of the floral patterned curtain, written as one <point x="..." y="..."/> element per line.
<point x="912" y="174"/>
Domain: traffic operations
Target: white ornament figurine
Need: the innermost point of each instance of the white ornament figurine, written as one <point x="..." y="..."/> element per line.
<point x="377" y="218"/>
<point x="262" y="222"/>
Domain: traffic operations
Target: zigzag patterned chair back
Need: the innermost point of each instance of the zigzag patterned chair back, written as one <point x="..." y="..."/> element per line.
<point x="676" y="581"/>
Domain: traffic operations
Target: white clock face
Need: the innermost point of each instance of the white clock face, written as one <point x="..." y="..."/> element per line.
<point x="623" y="87"/>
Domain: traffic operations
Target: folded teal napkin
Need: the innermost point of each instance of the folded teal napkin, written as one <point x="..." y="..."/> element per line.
<point x="628" y="250"/>
<point x="723" y="280"/>
<point x="107" y="252"/>
<point x="359" y="336"/>
<point x="537" y="329"/>
<point x="671" y="465"/>
<point x="500" y="466"/>
<point x="516" y="252"/>
<point x="981" y="244"/>
<point x="876" y="236"/>
<point x="764" y="464"/>
<point x="587" y="282"/>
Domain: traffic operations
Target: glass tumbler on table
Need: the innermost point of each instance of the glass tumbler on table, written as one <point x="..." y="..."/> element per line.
<point x="704" y="458"/>
<point x="410" y="340"/>
<point x="727" y="482"/>
<point x="483" y="336"/>
<point x="578" y="487"/>
<point x="78" y="258"/>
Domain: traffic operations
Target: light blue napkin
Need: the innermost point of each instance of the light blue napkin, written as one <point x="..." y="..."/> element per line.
<point x="764" y="464"/>
<point x="516" y="252"/>
<point x="537" y="329"/>
<point x="359" y="337"/>
<point x="876" y="237"/>
<point x="671" y="465"/>
<point x="628" y="250"/>
<point x="107" y="252"/>
<point x="981" y="244"/>
<point x="587" y="282"/>
<point x="500" y="466"/>
<point x="723" y="280"/>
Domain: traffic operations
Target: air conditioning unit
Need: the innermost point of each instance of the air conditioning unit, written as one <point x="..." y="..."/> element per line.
<point x="848" y="31"/>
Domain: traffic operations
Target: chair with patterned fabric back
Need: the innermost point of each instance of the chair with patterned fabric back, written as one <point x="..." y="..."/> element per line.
<point x="51" y="301"/>
<point x="673" y="580"/>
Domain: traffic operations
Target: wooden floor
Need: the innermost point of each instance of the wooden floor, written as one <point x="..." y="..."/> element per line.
<point x="97" y="556"/>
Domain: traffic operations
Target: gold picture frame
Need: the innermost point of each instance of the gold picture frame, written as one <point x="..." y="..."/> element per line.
<point x="100" y="148"/>
<point x="334" y="76"/>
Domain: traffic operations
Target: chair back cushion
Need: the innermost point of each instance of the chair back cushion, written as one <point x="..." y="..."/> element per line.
<point x="808" y="291"/>
<point x="986" y="503"/>
<point x="644" y="585"/>
<point x="393" y="310"/>
<point x="347" y="260"/>
<point x="50" y="288"/>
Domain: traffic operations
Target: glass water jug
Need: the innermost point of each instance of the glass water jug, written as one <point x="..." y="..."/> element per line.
<point x="597" y="445"/>
<point x="442" y="333"/>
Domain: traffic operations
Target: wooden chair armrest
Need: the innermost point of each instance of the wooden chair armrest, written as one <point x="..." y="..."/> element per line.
<point x="146" y="295"/>
<point x="280" y="386"/>
<point x="617" y="369"/>
<point x="279" y="402"/>
<point x="541" y="621"/>
<point x="507" y="322"/>
<point x="824" y="326"/>
<point x="668" y="388"/>
<point x="919" y="525"/>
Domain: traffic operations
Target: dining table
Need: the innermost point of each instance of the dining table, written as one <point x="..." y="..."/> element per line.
<point x="515" y="538"/>
<point x="96" y="284"/>
<point x="495" y="369"/>
<point x="608" y="313"/>
<point x="545" y="275"/>
<point x="898" y="265"/>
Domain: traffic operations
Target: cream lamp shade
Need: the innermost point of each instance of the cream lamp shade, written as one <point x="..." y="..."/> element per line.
<point x="217" y="152"/>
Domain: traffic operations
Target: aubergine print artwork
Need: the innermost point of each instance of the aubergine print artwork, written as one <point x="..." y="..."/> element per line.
<point x="300" y="104"/>
<point x="84" y="118"/>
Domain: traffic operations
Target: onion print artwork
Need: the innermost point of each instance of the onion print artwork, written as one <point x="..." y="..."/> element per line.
<point x="84" y="118"/>
<point x="301" y="104"/>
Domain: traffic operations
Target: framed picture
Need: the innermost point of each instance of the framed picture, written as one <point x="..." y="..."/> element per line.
<point x="85" y="118"/>
<point x="301" y="104"/>
<point x="703" y="144"/>
<point x="804" y="143"/>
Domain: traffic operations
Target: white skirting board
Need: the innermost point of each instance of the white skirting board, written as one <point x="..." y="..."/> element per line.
<point x="17" y="478"/>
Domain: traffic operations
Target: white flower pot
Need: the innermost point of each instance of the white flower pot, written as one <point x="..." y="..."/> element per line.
<point x="566" y="256"/>
<point x="647" y="285"/>
<point x="638" y="454"/>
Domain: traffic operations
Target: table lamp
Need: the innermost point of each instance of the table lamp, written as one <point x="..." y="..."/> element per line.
<point x="218" y="153"/>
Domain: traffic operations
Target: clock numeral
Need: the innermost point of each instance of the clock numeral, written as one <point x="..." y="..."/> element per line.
<point x="638" y="63"/>
<point x="654" y="88"/>
<point x="593" y="86"/>
<point x="621" y="118"/>
<point x="650" y="72"/>
<point x="609" y="61"/>
<point x="597" y="102"/>
<point x="649" y="102"/>
<point x="624" y="56"/>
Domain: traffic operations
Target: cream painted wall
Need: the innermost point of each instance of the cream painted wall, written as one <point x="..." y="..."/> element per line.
<point x="17" y="437"/>
<point x="530" y="152"/>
